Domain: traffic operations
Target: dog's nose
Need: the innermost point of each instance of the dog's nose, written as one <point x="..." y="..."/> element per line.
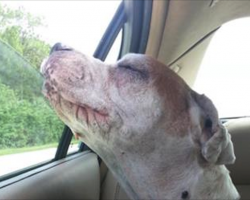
<point x="60" y="47"/>
<point x="57" y="47"/>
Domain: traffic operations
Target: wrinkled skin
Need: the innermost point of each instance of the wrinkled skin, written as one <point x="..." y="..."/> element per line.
<point x="160" y="139"/>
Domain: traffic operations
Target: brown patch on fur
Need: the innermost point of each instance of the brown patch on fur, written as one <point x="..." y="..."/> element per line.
<point x="176" y="94"/>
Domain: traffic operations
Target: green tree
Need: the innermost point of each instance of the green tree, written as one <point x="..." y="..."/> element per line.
<point x="17" y="28"/>
<point x="25" y="118"/>
<point x="24" y="123"/>
<point x="18" y="74"/>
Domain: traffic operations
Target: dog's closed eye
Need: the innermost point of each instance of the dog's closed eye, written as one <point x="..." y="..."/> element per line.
<point x="128" y="67"/>
<point x="134" y="70"/>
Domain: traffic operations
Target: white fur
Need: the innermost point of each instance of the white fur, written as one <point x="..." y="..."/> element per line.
<point x="154" y="139"/>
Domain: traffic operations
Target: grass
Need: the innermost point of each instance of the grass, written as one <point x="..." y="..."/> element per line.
<point x="34" y="148"/>
<point x="26" y="149"/>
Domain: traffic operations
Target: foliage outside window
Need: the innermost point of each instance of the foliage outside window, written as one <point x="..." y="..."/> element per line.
<point x="17" y="28"/>
<point x="27" y="122"/>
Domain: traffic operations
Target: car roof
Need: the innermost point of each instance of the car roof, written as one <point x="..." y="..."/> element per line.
<point x="180" y="31"/>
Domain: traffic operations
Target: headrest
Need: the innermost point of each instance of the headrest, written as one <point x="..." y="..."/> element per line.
<point x="240" y="132"/>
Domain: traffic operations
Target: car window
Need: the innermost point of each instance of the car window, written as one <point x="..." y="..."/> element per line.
<point x="224" y="74"/>
<point x="29" y="128"/>
<point x="115" y="50"/>
<point x="27" y="123"/>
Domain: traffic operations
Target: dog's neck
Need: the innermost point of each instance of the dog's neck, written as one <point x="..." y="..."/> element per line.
<point x="167" y="165"/>
<point x="143" y="177"/>
<point x="159" y="174"/>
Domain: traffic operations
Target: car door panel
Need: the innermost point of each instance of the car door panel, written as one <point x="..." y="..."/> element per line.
<point x="76" y="177"/>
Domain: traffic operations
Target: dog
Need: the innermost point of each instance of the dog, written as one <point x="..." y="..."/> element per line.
<point x="160" y="139"/>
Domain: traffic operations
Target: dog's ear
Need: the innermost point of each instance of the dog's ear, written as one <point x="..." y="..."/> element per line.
<point x="213" y="137"/>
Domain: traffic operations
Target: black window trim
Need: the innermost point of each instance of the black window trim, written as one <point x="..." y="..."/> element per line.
<point x="136" y="30"/>
<point x="111" y="33"/>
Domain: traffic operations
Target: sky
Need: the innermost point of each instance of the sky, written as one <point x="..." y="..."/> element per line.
<point x="224" y="72"/>
<point x="79" y="24"/>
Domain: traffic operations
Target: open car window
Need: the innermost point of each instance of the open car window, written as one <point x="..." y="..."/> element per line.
<point x="30" y="130"/>
<point x="27" y="123"/>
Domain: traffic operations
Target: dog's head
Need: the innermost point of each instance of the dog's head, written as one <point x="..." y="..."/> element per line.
<point x="160" y="138"/>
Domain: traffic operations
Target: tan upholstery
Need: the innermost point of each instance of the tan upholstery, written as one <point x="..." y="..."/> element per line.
<point x="184" y="24"/>
<point x="240" y="171"/>
<point x="72" y="178"/>
<point x="111" y="189"/>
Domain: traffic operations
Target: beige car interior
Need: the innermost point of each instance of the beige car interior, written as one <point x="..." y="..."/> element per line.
<point x="81" y="177"/>
<point x="77" y="177"/>
<point x="181" y="30"/>
<point x="179" y="35"/>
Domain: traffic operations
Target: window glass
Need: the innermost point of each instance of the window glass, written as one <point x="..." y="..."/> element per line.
<point x="29" y="129"/>
<point x="224" y="74"/>
<point x="27" y="122"/>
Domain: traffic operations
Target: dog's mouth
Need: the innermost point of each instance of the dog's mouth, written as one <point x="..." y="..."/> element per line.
<point x="76" y="115"/>
<point x="90" y="114"/>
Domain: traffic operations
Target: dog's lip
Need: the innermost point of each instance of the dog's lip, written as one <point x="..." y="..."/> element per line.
<point x="82" y="111"/>
<point x="87" y="109"/>
<point x="88" y="114"/>
<point x="100" y="111"/>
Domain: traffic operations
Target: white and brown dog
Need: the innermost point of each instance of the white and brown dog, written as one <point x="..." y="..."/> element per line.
<point x="160" y="139"/>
